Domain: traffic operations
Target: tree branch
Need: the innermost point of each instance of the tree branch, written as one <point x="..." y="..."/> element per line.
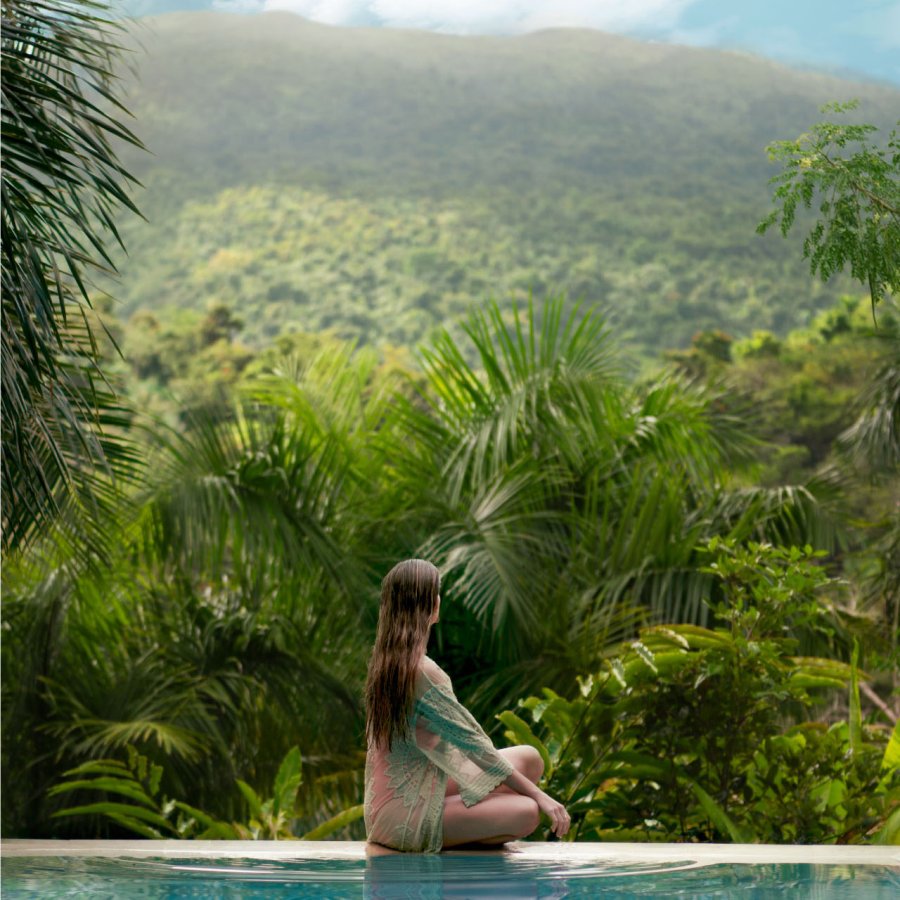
<point x="878" y="701"/>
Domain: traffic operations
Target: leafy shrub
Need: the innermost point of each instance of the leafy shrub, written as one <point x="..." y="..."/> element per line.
<point x="146" y="813"/>
<point x="687" y="732"/>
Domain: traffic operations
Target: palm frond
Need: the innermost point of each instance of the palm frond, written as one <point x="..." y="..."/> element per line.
<point x="495" y="550"/>
<point x="787" y="515"/>
<point x="873" y="440"/>
<point x="61" y="186"/>
<point x="528" y="388"/>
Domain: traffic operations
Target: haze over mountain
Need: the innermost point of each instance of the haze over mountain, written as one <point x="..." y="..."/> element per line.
<point x="377" y="181"/>
<point x="853" y="40"/>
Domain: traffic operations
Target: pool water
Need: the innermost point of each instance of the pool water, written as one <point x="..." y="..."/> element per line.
<point x="425" y="877"/>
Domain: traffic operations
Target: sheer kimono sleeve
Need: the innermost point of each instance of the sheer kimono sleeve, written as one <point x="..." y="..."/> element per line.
<point x="447" y="733"/>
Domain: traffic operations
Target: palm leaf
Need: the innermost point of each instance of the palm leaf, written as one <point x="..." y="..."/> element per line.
<point x="335" y="823"/>
<point x="117" y="809"/>
<point x="61" y="184"/>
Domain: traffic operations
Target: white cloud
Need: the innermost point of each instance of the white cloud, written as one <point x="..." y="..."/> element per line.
<point x="490" y="16"/>
<point x="329" y="12"/>
<point x="608" y="15"/>
<point x="238" y="6"/>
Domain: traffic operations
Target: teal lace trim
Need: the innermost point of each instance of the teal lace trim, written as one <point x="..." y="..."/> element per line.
<point x="445" y="716"/>
<point x="483" y="784"/>
<point x="442" y="714"/>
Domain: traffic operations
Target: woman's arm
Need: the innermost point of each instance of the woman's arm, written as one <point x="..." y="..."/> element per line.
<point x="554" y="810"/>
<point x="454" y="740"/>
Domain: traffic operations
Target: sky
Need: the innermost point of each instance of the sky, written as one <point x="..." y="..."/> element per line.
<point x="847" y="37"/>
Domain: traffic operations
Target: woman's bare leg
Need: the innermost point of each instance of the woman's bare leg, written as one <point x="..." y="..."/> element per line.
<point x="500" y="817"/>
<point x="504" y="815"/>
<point x="523" y="757"/>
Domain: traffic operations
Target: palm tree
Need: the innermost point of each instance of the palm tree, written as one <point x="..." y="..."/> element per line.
<point x="564" y="505"/>
<point x="63" y="425"/>
<point x="235" y="618"/>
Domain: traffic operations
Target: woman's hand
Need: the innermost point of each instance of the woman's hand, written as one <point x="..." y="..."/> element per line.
<point x="556" y="812"/>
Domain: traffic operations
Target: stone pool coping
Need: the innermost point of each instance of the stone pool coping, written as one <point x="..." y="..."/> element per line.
<point x="705" y="854"/>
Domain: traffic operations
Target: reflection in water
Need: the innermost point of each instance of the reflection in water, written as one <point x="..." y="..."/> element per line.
<point x="456" y="876"/>
<point x="441" y="877"/>
<point x="425" y="876"/>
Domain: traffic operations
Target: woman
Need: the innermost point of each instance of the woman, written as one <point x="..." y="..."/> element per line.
<point x="433" y="778"/>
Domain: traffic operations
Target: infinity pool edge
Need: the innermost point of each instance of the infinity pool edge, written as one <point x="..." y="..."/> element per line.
<point x="552" y="851"/>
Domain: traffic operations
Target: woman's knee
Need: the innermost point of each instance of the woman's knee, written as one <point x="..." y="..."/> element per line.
<point x="526" y="760"/>
<point x="533" y="761"/>
<point x="528" y="817"/>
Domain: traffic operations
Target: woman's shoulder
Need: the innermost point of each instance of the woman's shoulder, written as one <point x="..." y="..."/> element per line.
<point x="433" y="673"/>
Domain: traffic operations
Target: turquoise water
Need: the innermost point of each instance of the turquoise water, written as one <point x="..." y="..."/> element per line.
<point x="431" y="877"/>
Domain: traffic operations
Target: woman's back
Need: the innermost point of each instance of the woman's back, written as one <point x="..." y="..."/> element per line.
<point x="420" y="737"/>
<point x="405" y="785"/>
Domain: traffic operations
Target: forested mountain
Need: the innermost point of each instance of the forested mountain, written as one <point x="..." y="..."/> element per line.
<point x="707" y="552"/>
<point x="378" y="181"/>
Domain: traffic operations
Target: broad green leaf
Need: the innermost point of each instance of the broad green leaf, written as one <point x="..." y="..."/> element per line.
<point x="889" y="833"/>
<point x="202" y="817"/>
<point x="134" y="825"/>
<point x="559" y="717"/>
<point x="669" y="661"/>
<point x="127" y="788"/>
<point x="891" y="759"/>
<point x="829" y="793"/>
<point x="645" y="655"/>
<point x="253" y="801"/>
<point x="335" y="823"/>
<point x="618" y="671"/>
<point x="720" y="818"/>
<point x="287" y="782"/>
<point x="156" y="773"/>
<point x="819" y="666"/>
<point x="664" y="635"/>
<point x="837" y="792"/>
<point x="638" y="671"/>
<point x="100" y="767"/>
<point x="699" y="637"/>
<point x="519" y="732"/>
<point x="799" y="679"/>
<point x="122" y="809"/>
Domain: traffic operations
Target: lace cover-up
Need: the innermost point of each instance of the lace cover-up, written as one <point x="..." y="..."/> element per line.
<point x="404" y="797"/>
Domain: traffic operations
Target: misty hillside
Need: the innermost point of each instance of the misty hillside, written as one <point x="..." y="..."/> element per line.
<point x="377" y="181"/>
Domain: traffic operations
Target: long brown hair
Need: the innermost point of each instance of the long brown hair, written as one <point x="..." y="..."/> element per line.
<point x="409" y="594"/>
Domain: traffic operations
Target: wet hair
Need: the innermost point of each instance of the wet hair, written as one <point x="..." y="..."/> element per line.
<point x="409" y="594"/>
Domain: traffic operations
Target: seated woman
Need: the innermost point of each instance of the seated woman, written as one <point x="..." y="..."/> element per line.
<point x="433" y="778"/>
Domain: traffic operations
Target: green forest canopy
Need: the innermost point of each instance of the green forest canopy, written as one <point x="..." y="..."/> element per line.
<point x="378" y="182"/>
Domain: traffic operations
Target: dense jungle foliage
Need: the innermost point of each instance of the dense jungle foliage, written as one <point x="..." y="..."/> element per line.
<point x="567" y="506"/>
<point x="682" y="585"/>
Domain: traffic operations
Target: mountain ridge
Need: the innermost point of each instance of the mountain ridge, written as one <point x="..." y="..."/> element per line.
<point x="576" y="149"/>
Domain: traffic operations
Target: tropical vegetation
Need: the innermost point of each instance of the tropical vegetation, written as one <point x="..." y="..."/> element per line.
<point x="681" y="585"/>
<point x="567" y="507"/>
<point x="682" y="735"/>
<point x="139" y="809"/>
<point x="62" y="185"/>
<point x="382" y="181"/>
